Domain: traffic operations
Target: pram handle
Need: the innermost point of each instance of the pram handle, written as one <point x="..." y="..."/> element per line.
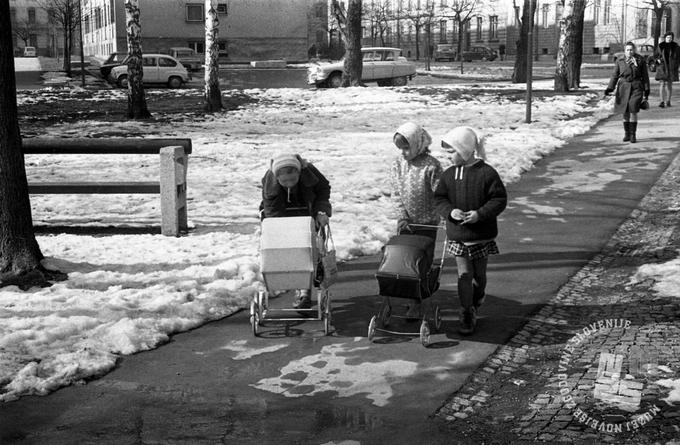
<point x="429" y="226"/>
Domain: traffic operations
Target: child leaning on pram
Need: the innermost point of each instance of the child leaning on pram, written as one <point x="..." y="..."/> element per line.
<point x="292" y="186"/>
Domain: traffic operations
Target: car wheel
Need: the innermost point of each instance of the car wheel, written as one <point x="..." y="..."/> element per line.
<point x="174" y="82"/>
<point x="399" y="81"/>
<point x="123" y="81"/>
<point x="383" y="83"/>
<point x="335" y="80"/>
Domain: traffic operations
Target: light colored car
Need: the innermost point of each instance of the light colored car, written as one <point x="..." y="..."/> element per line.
<point x="157" y="68"/>
<point x="444" y="51"/>
<point x="479" y="53"/>
<point x="30" y="51"/>
<point x="380" y="64"/>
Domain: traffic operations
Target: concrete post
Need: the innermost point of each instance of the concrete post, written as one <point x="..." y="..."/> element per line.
<point x="173" y="174"/>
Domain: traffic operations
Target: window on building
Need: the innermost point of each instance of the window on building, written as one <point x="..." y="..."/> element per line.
<point x="641" y="22"/>
<point x="479" y="29"/>
<point x="222" y="47"/>
<point x="97" y="18"/>
<point x="31" y="15"/>
<point x="33" y="40"/>
<point x="197" y="45"/>
<point x="86" y="24"/>
<point x="454" y="32"/>
<point x="596" y="50"/>
<point x="665" y="21"/>
<point x="195" y="12"/>
<point x="596" y="12"/>
<point x="222" y="8"/>
<point x="410" y="32"/>
<point x="607" y="11"/>
<point x="545" y="10"/>
<point x="493" y="27"/>
<point x="442" y="31"/>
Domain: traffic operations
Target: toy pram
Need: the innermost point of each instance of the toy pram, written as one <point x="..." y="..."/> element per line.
<point x="289" y="256"/>
<point x="406" y="271"/>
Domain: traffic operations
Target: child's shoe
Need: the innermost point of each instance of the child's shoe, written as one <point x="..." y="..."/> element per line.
<point x="302" y="299"/>
<point x="468" y="321"/>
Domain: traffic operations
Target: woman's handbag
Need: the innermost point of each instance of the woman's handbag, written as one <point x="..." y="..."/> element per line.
<point x="328" y="261"/>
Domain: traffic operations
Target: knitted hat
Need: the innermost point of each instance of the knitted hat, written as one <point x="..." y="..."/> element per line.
<point x="465" y="141"/>
<point x="285" y="160"/>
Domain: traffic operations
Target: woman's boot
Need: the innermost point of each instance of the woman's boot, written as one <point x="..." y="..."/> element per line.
<point x="626" y="129"/>
<point x="632" y="128"/>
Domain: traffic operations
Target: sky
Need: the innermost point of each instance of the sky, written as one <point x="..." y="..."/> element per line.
<point x="129" y="292"/>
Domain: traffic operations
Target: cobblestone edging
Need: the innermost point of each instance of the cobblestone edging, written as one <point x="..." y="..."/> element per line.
<point x="604" y="289"/>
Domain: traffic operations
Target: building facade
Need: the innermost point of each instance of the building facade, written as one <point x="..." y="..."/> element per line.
<point x="413" y="25"/>
<point x="248" y="29"/>
<point x="33" y="25"/>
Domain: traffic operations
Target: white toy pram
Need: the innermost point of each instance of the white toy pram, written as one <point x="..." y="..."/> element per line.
<point x="406" y="271"/>
<point x="289" y="255"/>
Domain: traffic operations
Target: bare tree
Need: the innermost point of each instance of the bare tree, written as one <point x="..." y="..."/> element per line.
<point x="213" y="95"/>
<point x="20" y="254"/>
<point x="22" y="29"/>
<point x="658" y="7"/>
<point x="418" y="17"/>
<point x="519" y="73"/>
<point x="570" y="46"/>
<point x="136" y="98"/>
<point x="64" y="13"/>
<point x="379" y="17"/>
<point x="461" y="12"/>
<point x="350" y="29"/>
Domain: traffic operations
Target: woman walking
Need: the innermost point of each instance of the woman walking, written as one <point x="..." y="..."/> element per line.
<point x="631" y="80"/>
<point x="668" y="61"/>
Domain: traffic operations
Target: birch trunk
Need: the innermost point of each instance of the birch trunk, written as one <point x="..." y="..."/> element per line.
<point x="353" y="64"/>
<point x="136" y="99"/>
<point x="213" y="95"/>
<point x="564" y="48"/>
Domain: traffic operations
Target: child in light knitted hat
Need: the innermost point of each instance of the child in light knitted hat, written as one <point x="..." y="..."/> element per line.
<point x="292" y="186"/>
<point x="470" y="196"/>
<point x="414" y="176"/>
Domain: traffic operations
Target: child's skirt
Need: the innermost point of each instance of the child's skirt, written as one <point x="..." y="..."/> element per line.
<point x="472" y="251"/>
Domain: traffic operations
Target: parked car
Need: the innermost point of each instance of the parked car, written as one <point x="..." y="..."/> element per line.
<point x="383" y="65"/>
<point x="479" y="53"/>
<point x="114" y="60"/>
<point x="646" y="50"/>
<point x="158" y="69"/>
<point x="444" y="51"/>
<point x="29" y="51"/>
<point x="188" y="57"/>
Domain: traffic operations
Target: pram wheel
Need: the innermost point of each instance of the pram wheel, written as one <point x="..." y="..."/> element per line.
<point x="254" y="318"/>
<point x="385" y="314"/>
<point x="425" y="334"/>
<point x="371" y="328"/>
<point x="437" y="318"/>
<point x="327" y="323"/>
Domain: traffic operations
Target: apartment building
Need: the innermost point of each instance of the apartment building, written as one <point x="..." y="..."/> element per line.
<point x="248" y="29"/>
<point x="32" y="25"/>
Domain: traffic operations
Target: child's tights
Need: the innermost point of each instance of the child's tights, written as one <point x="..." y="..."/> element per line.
<point x="471" y="279"/>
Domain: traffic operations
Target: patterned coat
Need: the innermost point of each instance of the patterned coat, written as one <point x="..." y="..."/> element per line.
<point x="413" y="185"/>
<point x="631" y="83"/>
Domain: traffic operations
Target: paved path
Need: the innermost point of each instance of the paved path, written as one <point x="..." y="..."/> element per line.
<point x="219" y="384"/>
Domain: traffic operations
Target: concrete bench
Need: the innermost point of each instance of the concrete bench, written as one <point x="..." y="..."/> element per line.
<point x="172" y="184"/>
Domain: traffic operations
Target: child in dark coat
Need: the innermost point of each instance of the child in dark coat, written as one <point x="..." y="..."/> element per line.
<point x="470" y="196"/>
<point x="292" y="186"/>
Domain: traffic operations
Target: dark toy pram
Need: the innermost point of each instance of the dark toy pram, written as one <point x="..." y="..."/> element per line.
<point x="289" y="250"/>
<point x="406" y="271"/>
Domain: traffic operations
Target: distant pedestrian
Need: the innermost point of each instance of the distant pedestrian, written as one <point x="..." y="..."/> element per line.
<point x="667" y="63"/>
<point x="470" y="196"/>
<point x="292" y="186"/>
<point x="631" y="80"/>
<point x="414" y="175"/>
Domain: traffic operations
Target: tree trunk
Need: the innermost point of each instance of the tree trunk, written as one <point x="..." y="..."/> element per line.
<point x="519" y="74"/>
<point x="19" y="251"/>
<point x="353" y="64"/>
<point x="67" y="44"/>
<point x="565" y="49"/>
<point x="213" y="95"/>
<point x="136" y="99"/>
<point x="577" y="60"/>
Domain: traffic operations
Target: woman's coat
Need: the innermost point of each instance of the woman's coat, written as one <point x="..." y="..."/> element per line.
<point x="631" y="83"/>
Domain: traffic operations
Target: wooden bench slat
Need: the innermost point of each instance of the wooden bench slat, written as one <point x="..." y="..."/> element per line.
<point x="54" y="188"/>
<point x="102" y="146"/>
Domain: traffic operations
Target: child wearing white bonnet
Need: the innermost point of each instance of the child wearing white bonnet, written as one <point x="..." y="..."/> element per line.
<point x="470" y="196"/>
